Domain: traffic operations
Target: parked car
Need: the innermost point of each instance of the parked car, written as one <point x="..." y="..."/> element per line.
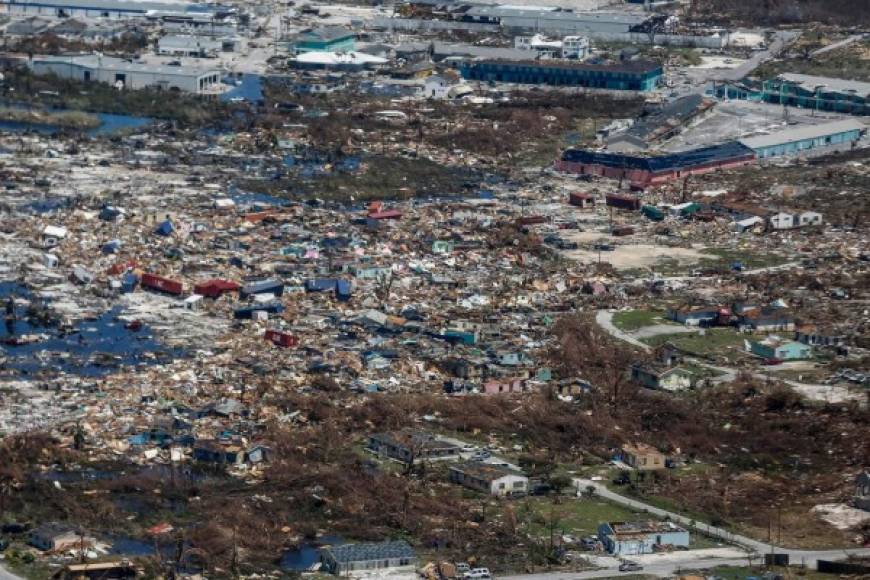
<point x="462" y="568"/>
<point x="630" y="567"/>
<point x="481" y="455"/>
<point x="603" y="247"/>
<point x="771" y="362"/>
<point x="478" y="574"/>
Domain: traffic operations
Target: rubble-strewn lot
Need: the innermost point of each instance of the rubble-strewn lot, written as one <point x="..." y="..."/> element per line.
<point x="288" y="308"/>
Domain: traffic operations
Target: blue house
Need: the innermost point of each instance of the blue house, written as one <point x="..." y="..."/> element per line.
<point x="328" y="39"/>
<point x="774" y="348"/>
<point x="635" y="538"/>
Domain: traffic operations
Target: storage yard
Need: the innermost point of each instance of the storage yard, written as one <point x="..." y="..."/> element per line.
<point x="431" y="290"/>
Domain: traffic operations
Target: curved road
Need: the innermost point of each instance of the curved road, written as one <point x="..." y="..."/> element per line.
<point x="6" y="575"/>
<point x="806" y="557"/>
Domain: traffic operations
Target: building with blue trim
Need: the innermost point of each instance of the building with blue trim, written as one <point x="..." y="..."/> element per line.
<point x="640" y="75"/>
<point x="840" y="135"/>
<point x="654" y="170"/>
<point x="804" y="91"/>
<point x="328" y="39"/>
<point x="635" y="538"/>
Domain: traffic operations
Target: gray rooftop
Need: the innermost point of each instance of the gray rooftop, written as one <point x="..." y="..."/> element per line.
<point x="128" y="5"/>
<point x="810" y="82"/>
<point x="94" y="61"/>
<point x="371" y="551"/>
<point x="802" y="133"/>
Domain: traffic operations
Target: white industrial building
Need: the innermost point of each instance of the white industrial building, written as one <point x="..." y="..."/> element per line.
<point x="94" y="8"/>
<point x="126" y="74"/>
<point x="196" y="46"/>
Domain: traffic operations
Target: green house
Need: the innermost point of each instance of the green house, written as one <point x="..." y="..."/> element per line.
<point x="329" y="39"/>
<point x="653" y="213"/>
<point x="442" y="247"/>
<point x="772" y="348"/>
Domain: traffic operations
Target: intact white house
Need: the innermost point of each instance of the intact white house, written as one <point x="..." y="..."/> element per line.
<point x="126" y="74"/>
<point x="491" y="479"/>
<point x="576" y="47"/>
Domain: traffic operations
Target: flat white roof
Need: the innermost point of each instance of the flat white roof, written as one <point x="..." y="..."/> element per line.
<point x="802" y="133"/>
<point x="337" y="58"/>
<point x="93" y="61"/>
<point x="810" y="82"/>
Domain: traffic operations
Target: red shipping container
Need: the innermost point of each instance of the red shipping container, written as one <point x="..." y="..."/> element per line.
<point x="279" y="338"/>
<point x="162" y="284"/>
<point x="215" y="288"/>
<point x="387" y="214"/>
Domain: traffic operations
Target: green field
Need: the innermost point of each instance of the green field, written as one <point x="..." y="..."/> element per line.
<point x="742" y="572"/>
<point x="724" y="257"/>
<point x="634" y="319"/>
<point x="715" y="342"/>
<point x="578" y="517"/>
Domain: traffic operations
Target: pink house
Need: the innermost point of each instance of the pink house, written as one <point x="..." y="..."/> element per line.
<point x="503" y="386"/>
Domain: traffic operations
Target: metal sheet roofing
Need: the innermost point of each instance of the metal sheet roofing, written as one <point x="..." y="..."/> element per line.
<point x="810" y="82"/>
<point x="733" y="150"/>
<point x="797" y="134"/>
<point x="371" y="551"/>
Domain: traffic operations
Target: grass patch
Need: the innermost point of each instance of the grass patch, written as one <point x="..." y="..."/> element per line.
<point x="849" y="62"/>
<point x="635" y="319"/>
<point x="724" y="257"/>
<point x="741" y="572"/>
<point x="579" y="517"/>
<point x="715" y="342"/>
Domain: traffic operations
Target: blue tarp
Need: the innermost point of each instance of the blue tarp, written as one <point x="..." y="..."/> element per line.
<point x="164" y="229"/>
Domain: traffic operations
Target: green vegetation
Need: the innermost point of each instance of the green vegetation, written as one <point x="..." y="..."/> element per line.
<point x="724" y="257"/>
<point x="714" y="342"/>
<point x="380" y="177"/>
<point x="62" y="119"/>
<point x="850" y="62"/>
<point x="579" y="517"/>
<point x="635" y="319"/>
<point x="741" y="572"/>
<point x="51" y="91"/>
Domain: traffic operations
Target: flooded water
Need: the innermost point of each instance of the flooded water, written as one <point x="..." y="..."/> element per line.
<point x="249" y="88"/>
<point x="109" y="123"/>
<point x="91" y="348"/>
<point x="307" y="553"/>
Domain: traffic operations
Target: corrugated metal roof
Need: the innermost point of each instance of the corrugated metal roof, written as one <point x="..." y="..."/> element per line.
<point x="810" y="82"/>
<point x="124" y="5"/>
<point x="803" y="133"/>
<point x="732" y="150"/>
<point x="371" y="551"/>
<point x="93" y="61"/>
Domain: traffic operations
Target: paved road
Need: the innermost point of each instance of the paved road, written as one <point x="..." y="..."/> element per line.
<point x="782" y="38"/>
<point x="806" y="557"/>
<point x="6" y="575"/>
<point x="836" y="45"/>
<point x="604" y="318"/>
<point x="662" y="570"/>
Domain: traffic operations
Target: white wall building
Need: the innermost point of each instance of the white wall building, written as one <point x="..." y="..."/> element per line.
<point x="93" y="8"/>
<point x="125" y="74"/>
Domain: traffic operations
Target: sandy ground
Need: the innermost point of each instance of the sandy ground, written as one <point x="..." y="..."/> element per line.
<point x="719" y="62"/>
<point x="628" y="256"/>
<point x="841" y="516"/>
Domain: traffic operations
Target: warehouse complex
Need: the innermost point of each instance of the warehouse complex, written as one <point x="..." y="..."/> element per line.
<point x="127" y="74"/>
<point x="646" y="171"/>
<point x="96" y="8"/>
<point x="638" y="75"/>
<point x="805" y="91"/>
<point x="838" y="133"/>
<point x="643" y="171"/>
